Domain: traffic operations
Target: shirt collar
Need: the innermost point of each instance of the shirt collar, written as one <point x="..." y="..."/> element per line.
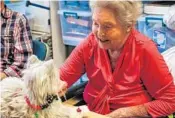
<point x="7" y="12"/>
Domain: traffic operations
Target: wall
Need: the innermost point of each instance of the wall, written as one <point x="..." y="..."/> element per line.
<point x="41" y="16"/>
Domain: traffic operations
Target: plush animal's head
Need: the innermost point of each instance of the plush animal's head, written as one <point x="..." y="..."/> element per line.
<point x="41" y="79"/>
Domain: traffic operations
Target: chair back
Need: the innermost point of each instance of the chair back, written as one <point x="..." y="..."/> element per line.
<point x="40" y="49"/>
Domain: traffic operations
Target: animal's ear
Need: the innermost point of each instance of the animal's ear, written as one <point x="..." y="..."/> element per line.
<point x="50" y="66"/>
<point x="49" y="63"/>
<point x="32" y="60"/>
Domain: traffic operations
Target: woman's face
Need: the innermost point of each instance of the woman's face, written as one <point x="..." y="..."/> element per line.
<point x="107" y="29"/>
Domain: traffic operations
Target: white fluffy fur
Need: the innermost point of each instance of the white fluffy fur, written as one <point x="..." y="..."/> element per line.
<point x="39" y="80"/>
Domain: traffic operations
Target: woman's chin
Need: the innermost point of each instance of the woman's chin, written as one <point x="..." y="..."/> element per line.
<point x="103" y="45"/>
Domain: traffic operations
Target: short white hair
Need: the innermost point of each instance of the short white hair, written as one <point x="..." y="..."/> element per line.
<point x="40" y="82"/>
<point x="127" y="12"/>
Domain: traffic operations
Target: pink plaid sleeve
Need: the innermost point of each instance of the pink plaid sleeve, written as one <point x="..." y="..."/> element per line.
<point x="22" y="46"/>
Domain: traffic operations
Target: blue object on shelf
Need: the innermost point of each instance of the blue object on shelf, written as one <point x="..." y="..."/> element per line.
<point x="159" y="37"/>
<point x="71" y="3"/>
<point x="70" y="14"/>
<point x="40" y="49"/>
<point x="154" y="28"/>
<point x="147" y="19"/>
<point x="74" y="5"/>
<point x="84" y="5"/>
<point x="76" y="25"/>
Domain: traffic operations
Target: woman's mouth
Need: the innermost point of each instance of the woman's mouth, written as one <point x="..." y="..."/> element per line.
<point x="103" y="41"/>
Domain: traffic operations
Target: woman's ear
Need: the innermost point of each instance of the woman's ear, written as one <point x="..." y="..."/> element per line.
<point x="49" y="63"/>
<point x="128" y="30"/>
<point x="129" y="27"/>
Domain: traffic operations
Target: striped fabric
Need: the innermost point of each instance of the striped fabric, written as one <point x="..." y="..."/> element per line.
<point x="16" y="42"/>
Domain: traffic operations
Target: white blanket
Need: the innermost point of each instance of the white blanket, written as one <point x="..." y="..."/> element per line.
<point x="169" y="56"/>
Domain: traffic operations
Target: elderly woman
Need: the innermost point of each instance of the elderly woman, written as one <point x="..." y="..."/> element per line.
<point x="127" y="75"/>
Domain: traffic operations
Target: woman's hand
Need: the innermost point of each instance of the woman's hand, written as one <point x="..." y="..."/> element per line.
<point x="2" y="75"/>
<point x="63" y="88"/>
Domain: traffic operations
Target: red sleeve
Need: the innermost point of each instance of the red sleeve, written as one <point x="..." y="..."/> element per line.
<point x="74" y="66"/>
<point x="158" y="82"/>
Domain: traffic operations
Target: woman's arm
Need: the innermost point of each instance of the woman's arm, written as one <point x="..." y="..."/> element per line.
<point x="74" y="66"/>
<point x="134" y="111"/>
<point x="158" y="82"/>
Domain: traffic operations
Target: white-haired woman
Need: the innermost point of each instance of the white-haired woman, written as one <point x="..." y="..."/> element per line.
<point x="127" y="75"/>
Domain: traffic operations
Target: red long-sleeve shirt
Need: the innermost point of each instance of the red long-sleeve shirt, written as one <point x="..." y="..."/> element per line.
<point x="140" y="76"/>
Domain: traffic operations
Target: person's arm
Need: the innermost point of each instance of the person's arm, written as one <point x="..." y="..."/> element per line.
<point x="159" y="83"/>
<point x="127" y="112"/>
<point x="74" y="66"/>
<point x="2" y="75"/>
<point x="22" y="47"/>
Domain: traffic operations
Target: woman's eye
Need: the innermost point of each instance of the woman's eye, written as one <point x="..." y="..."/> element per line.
<point x="107" y="27"/>
<point x="95" y="24"/>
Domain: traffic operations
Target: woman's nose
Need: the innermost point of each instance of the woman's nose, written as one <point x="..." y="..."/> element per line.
<point x="101" y="33"/>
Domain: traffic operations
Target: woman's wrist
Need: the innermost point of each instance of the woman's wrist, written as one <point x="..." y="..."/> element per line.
<point x="134" y="111"/>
